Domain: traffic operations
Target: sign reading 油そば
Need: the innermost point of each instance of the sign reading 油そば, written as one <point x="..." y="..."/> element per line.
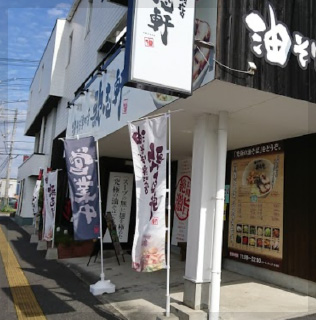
<point x="155" y="41"/>
<point x="274" y="42"/>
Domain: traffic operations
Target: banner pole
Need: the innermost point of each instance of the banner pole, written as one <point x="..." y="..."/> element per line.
<point x="100" y="213"/>
<point x="169" y="217"/>
<point x="102" y="285"/>
<point x="54" y="224"/>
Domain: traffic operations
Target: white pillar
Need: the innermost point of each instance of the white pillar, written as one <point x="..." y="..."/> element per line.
<point x="202" y="211"/>
<point x="218" y="221"/>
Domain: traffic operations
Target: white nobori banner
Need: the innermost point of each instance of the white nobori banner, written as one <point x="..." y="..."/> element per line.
<point x="50" y="198"/>
<point x="149" y="143"/>
<point x="36" y="193"/>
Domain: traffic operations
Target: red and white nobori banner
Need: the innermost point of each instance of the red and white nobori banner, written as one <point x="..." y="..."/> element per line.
<point x="36" y="192"/>
<point x="149" y="143"/>
<point x="182" y="202"/>
<point x="50" y="198"/>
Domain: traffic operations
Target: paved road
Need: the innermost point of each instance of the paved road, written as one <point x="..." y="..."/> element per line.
<point x="59" y="292"/>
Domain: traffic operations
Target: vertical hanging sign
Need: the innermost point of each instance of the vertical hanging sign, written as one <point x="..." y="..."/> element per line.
<point x="182" y="202"/>
<point x="50" y="198"/>
<point x="155" y="33"/>
<point x="149" y="142"/>
<point x="83" y="187"/>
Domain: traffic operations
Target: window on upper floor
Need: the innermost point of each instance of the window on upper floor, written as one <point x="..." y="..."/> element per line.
<point x="31" y="97"/>
<point x="89" y="17"/>
<point x="69" y="48"/>
<point x="43" y="137"/>
<point x="117" y="32"/>
<point x="36" y="142"/>
<point x="41" y="78"/>
<point x="120" y="2"/>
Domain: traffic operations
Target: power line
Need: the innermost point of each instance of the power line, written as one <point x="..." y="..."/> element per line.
<point x="6" y="109"/>
<point x="18" y="60"/>
<point x="10" y="157"/>
<point x="14" y="59"/>
<point x="15" y="79"/>
<point x="21" y="141"/>
<point x="12" y="120"/>
<point x="4" y="165"/>
<point x="15" y="154"/>
<point x="13" y="101"/>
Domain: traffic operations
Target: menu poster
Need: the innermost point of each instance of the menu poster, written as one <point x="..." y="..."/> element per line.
<point x="256" y="205"/>
<point x="119" y="203"/>
<point x="111" y="227"/>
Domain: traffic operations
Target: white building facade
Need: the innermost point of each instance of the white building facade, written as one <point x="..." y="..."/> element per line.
<point x="12" y="191"/>
<point x="231" y="108"/>
<point x="74" y="49"/>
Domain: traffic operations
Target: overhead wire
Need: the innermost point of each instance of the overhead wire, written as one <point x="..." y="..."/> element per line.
<point x="21" y="60"/>
<point x="7" y="115"/>
<point x="4" y="164"/>
<point x="14" y="79"/>
<point x="13" y="101"/>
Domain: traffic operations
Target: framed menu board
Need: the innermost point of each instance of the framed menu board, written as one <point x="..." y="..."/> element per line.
<point x="119" y="203"/>
<point x="255" y="232"/>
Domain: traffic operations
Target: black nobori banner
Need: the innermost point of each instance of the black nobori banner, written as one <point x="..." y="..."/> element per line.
<point x="83" y="185"/>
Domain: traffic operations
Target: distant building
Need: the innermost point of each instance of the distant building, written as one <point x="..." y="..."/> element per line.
<point x="13" y="188"/>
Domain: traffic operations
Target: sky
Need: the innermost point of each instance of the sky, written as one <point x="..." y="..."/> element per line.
<point x="25" y="28"/>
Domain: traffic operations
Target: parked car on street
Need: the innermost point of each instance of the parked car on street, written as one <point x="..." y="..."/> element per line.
<point x="13" y="203"/>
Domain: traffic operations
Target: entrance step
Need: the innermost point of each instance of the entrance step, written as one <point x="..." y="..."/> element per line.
<point x="185" y="313"/>
<point x="171" y="317"/>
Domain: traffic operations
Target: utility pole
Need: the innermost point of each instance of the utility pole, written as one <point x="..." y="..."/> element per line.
<point x="7" y="185"/>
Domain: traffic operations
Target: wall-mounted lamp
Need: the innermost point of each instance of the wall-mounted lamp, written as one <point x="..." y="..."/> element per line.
<point x="203" y="44"/>
<point x="100" y="72"/>
<point x="252" y="68"/>
<point x="70" y="104"/>
<point x="83" y="92"/>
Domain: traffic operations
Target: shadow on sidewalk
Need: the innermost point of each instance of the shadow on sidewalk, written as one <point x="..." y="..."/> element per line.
<point x="66" y="291"/>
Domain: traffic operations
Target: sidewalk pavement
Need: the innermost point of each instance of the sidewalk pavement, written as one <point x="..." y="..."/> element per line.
<point x="142" y="296"/>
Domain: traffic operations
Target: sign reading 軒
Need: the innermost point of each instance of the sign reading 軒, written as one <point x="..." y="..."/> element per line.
<point x="50" y="198"/>
<point x="148" y="142"/>
<point x="80" y="157"/>
<point x="256" y="205"/>
<point x="155" y="33"/>
<point x="119" y="201"/>
<point x="274" y="42"/>
<point x="182" y="202"/>
<point x="108" y="105"/>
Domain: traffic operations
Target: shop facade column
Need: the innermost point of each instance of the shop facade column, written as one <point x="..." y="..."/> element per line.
<point x="202" y="211"/>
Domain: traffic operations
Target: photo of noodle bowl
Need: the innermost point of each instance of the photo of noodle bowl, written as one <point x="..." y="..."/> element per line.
<point x="259" y="176"/>
<point x="202" y="31"/>
<point x="152" y="259"/>
<point x="161" y="99"/>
